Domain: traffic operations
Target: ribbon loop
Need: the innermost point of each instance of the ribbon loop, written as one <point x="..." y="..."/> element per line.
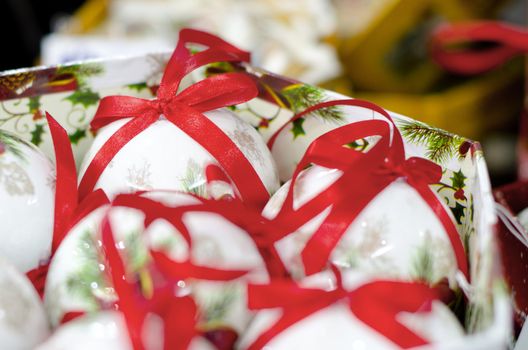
<point x="509" y="41"/>
<point x="365" y="175"/>
<point x="185" y="110"/>
<point x="111" y="109"/>
<point x="223" y="90"/>
<point x="182" y="62"/>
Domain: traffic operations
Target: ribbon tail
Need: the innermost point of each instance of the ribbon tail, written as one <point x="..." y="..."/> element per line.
<point x="128" y="304"/>
<point x="92" y="202"/>
<point x="318" y="250"/>
<point x="226" y="152"/>
<point x="37" y="276"/>
<point x="180" y="324"/>
<point x="66" y="197"/>
<point x="386" y="324"/>
<point x="377" y="304"/>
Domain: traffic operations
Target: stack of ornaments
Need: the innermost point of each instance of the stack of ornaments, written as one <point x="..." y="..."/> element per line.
<point x="177" y="234"/>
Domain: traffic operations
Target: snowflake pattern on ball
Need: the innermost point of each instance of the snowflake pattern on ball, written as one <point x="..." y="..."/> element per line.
<point x="138" y="178"/>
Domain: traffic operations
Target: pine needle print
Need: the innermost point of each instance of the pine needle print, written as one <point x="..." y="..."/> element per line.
<point x="218" y="306"/>
<point x="194" y="180"/>
<point x="136" y="252"/>
<point x="440" y="145"/>
<point x="423" y="265"/>
<point x="12" y="144"/>
<point x="88" y="278"/>
<point x="302" y="96"/>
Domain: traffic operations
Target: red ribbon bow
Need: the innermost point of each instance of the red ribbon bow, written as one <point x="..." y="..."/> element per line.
<point x="185" y="110"/>
<point x="364" y="176"/>
<point x="445" y="45"/>
<point x="373" y="303"/>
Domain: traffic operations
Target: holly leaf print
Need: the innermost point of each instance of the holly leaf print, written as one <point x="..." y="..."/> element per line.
<point x="36" y="134"/>
<point x="297" y="128"/>
<point x="458" y="180"/>
<point x="34" y="103"/>
<point x="458" y="212"/>
<point x="137" y="87"/>
<point x="84" y="97"/>
<point x="78" y="135"/>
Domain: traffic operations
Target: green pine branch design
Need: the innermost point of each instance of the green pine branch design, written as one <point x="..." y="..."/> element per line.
<point x="193" y="180"/>
<point x="301" y="96"/>
<point x="12" y="144"/>
<point x="441" y="145"/>
<point x="218" y="306"/>
<point x="88" y="276"/>
<point x="423" y="267"/>
<point x="137" y="254"/>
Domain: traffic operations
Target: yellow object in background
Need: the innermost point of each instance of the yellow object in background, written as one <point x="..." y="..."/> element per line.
<point x="473" y="108"/>
<point x="470" y="9"/>
<point x="88" y="16"/>
<point x="390" y="53"/>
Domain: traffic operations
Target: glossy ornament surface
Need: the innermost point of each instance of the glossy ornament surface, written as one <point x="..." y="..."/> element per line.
<point x="163" y="157"/>
<point x="396" y="235"/>
<point x="27" y="189"/>
<point x="23" y="322"/>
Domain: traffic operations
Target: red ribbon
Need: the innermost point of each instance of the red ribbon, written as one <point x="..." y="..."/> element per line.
<point x="364" y="176"/>
<point x="68" y="211"/>
<point x="179" y="313"/>
<point x="509" y="41"/>
<point x="185" y="110"/>
<point x="262" y="231"/>
<point x="376" y="304"/>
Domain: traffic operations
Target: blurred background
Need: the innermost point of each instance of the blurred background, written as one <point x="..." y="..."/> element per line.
<point x="371" y="49"/>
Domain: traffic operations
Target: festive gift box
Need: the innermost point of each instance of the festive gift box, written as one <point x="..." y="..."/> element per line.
<point x="73" y="92"/>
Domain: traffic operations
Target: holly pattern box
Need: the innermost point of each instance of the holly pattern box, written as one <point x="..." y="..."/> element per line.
<point x="71" y="93"/>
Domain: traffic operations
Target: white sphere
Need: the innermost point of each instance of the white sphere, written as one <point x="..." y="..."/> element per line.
<point x="75" y="280"/>
<point x="164" y="157"/>
<point x="23" y="322"/>
<point x="336" y="327"/>
<point x="27" y="190"/>
<point x="396" y="235"/>
<point x="105" y="330"/>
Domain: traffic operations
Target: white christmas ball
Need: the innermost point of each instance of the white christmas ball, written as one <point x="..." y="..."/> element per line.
<point x="396" y="235"/>
<point x="336" y="327"/>
<point x="23" y="322"/>
<point x="76" y="279"/>
<point x="27" y="189"/>
<point x="164" y="157"/>
<point x="106" y="330"/>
